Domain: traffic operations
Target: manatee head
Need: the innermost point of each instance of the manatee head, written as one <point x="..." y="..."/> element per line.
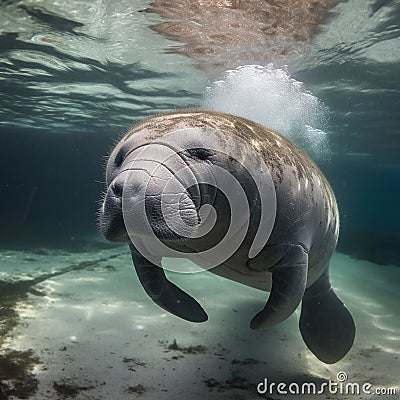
<point x="154" y="187"/>
<point x="188" y="182"/>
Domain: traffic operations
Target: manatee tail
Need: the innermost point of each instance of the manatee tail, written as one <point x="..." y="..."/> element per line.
<point x="326" y="325"/>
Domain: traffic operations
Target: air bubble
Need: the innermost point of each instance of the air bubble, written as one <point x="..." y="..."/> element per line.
<point x="273" y="98"/>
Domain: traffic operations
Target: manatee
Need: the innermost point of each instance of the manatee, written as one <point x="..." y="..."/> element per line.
<point x="176" y="185"/>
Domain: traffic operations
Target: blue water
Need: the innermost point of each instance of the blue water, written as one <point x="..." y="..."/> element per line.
<point x="79" y="75"/>
<point x="75" y="75"/>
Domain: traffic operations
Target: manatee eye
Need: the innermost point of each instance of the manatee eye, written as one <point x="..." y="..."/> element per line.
<point x="199" y="152"/>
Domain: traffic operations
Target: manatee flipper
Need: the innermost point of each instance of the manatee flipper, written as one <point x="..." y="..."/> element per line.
<point x="164" y="293"/>
<point x="289" y="278"/>
<point x="326" y="325"/>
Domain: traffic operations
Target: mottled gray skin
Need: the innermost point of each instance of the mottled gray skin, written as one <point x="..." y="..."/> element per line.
<point x="293" y="265"/>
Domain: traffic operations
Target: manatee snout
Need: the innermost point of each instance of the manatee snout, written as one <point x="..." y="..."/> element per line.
<point x="152" y="203"/>
<point x="110" y="221"/>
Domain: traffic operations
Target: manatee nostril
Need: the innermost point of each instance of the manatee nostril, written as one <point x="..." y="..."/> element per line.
<point x="117" y="188"/>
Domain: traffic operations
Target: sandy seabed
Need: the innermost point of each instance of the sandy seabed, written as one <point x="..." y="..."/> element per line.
<point x="79" y="325"/>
